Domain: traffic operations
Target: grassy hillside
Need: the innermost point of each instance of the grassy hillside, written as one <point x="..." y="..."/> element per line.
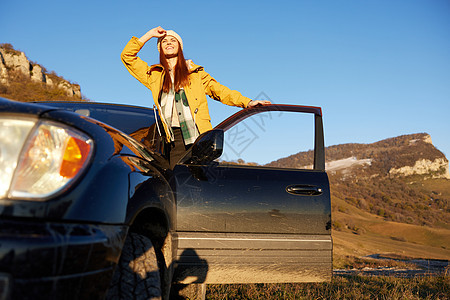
<point x="21" y="88"/>
<point x="365" y="234"/>
<point x="357" y="232"/>
<point x="409" y="200"/>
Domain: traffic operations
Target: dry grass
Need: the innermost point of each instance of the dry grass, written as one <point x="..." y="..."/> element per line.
<point x="349" y="244"/>
<point x="341" y="287"/>
<point x="353" y="262"/>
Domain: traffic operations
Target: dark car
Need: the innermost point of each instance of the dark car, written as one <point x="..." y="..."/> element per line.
<point x="90" y="209"/>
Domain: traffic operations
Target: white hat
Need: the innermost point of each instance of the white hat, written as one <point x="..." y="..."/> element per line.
<point x="171" y="33"/>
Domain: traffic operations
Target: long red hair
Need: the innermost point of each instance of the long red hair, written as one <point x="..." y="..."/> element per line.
<point x="181" y="72"/>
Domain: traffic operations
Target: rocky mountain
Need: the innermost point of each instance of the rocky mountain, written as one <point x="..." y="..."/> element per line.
<point x="18" y="74"/>
<point x="406" y="155"/>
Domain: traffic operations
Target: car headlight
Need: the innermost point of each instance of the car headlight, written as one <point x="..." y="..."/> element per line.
<point x="40" y="158"/>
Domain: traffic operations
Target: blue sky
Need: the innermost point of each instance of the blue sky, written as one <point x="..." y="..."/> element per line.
<point x="378" y="69"/>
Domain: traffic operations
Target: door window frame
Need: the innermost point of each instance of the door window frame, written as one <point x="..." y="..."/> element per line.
<point x="319" y="145"/>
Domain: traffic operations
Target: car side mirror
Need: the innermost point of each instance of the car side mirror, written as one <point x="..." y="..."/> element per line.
<point x="207" y="147"/>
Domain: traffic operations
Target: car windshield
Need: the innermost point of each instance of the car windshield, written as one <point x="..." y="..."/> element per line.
<point x="128" y="119"/>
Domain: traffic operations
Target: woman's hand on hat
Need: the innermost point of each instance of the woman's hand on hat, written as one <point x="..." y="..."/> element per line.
<point x="158" y="32"/>
<point x="258" y="102"/>
<point x="154" y="32"/>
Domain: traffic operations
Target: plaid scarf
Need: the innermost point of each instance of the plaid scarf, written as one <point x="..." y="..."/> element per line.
<point x="187" y="123"/>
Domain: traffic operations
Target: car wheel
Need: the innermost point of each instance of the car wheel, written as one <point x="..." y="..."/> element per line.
<point x="137" y="273"/>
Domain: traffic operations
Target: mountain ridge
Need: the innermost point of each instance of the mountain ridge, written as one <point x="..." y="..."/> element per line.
<point x="407" y="154"/>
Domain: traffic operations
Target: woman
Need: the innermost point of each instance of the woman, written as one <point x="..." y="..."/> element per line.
<point x="179" y="89"/>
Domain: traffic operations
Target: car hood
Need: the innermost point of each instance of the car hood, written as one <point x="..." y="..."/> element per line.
<point x="24" y="107"/>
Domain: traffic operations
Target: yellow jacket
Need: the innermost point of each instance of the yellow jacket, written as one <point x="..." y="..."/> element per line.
<point x="200" y="85"/>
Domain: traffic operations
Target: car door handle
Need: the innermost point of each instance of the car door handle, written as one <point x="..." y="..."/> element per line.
<point x="307" y="190"/>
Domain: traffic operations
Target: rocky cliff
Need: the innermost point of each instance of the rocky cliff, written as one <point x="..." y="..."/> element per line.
<point x="437" y="168"/>
<point x="14" y="62"/>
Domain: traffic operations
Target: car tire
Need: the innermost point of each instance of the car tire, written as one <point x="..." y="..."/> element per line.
<point x="137" y="273"/>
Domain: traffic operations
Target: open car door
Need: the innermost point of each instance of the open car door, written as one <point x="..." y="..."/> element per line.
<point x="244" y="222"/>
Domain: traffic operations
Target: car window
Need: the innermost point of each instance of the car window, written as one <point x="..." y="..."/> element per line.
<point x="279" y="139"/>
